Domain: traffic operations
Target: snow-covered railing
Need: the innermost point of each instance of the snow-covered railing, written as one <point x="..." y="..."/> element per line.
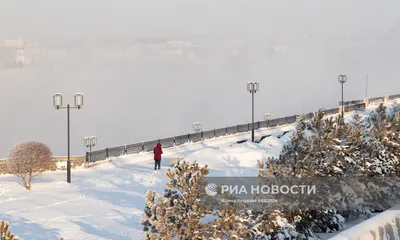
<point x="394" y="96"/>
<point x="376" y="100"/>
<point x="355" y="107"/>
<point x="148" y="146"/>
<point x="385" y="225"/>
<point x="347" y="103"/>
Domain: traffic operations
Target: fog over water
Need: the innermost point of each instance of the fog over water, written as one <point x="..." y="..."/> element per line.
<point x="138" y="87"/>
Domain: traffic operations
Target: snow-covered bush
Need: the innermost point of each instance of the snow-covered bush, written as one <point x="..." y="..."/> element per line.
<point x="5" y="233"/>
<point x="269" y="224"/>
<point x="28" y="160"/>
<point x="395" y="108"/>
<point x="177" y="214"/>
<point x="355" y="163"/>
<point x="361" y="157"/>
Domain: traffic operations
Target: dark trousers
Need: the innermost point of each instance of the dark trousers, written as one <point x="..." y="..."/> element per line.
<point x="157" y="163"/>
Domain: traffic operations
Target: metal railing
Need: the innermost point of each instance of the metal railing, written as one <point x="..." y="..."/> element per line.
<point x="391" y="97"/>
<point x="355" y="107"/>
<point x="347" y="103"/>
<point x="376" y="100"/>
<point x="148" y="146"/>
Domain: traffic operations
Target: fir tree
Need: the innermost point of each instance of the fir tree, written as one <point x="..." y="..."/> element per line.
<point x="350" y="153"/>
<point x="5" y="233"/>
<point x="295" y="151"/>
<point x="179" y="212"/>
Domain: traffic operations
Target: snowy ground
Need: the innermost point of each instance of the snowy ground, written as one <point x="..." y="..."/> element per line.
<point x="106" y="201"/>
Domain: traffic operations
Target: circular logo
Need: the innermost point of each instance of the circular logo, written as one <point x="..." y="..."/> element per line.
<point x="211" y="189"/>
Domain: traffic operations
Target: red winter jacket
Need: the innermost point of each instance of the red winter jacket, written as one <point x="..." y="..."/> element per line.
<point x="157" y="152"/>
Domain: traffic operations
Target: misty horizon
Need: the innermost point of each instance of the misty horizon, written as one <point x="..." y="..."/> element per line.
<point x="135" y="90"/>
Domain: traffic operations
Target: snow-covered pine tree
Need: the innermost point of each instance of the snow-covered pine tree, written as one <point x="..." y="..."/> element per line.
<point x="326" y="155"/>
<point x="305" y="150"/>
<point x="5" y="233"/>
<point x="391" y="135"/>
<point x="367" y="158"/>
<point x="230" y="224"/>
<point x="395" y="108"/>
<point x="357" y="155"/>
<point x="363" y="154"/>
<point x="356" y="121"/>
<point x="376" y="121"/>
<point x="383" y="147"/>
<point x="339" y="128"/>
<point x="178" y="213"/>
<point x="295" y="151"/>
<point x="322" y="160"/>
<point x="381" y="128"/>
<point x="271" y="224"/>
<point x="319" y="129"/>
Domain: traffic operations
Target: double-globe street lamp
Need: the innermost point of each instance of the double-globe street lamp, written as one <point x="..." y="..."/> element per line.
<point x="90" y="142"/>
<point x="197" y="127"/>
<point x="267" y="117"/>
<point x="342" y="79"/>
<point x="252" y="87"/>
<point x="78" y="103"/>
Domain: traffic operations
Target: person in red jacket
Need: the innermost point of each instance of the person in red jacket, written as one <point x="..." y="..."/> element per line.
<point x="157" y="156"/>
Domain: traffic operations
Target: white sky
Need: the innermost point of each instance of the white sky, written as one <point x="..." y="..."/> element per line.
<point x="127" y="102"/>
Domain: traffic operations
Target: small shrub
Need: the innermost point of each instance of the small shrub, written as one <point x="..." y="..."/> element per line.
<point x="28" y="160"/>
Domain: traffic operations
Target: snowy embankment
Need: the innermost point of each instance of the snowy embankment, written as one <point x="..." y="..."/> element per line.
<point x="385" y="225"/>
<point x="107" y="201"/>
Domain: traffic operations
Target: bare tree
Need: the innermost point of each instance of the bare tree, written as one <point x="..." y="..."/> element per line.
<point x="28" y="160"/>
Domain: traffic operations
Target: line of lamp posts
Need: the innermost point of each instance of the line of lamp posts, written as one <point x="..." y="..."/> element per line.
<point x="252" y="88"/>
<point x="89" y="142"/>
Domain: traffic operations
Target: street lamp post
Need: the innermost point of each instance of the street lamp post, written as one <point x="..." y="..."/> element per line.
<point x="366" y="87"/>
<point x="90" y="142"/>
<point x="197" y="126"/>
<point x="78" y="103"/>
<point x="342" y="79"/>
<point x="252" y="87"/>
<point x="267" y="117"/>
